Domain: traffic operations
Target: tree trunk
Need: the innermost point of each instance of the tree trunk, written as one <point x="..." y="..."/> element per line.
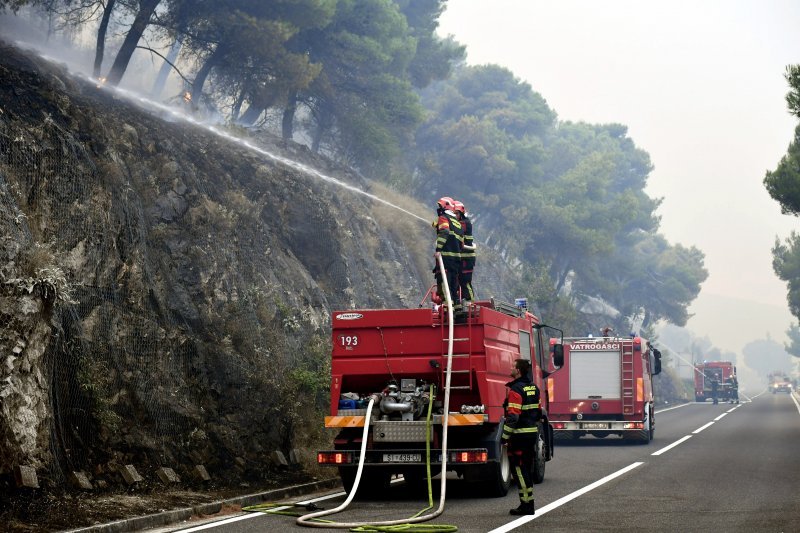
<point x="101" y="38"/>
<point x="146" y="9"/>
<point x="287" y="124"/>
<point x="250" y="116"/>
<point x="237" y="107"/>
<point x="202" y="75"/>
<point x="163" y="73"/>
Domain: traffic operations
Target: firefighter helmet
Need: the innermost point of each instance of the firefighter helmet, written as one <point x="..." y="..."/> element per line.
<point x="459" y="207"/>
<point x="446" y="203"/>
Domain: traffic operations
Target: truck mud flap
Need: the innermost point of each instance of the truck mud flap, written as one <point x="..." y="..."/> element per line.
<point x="492" y="442"/>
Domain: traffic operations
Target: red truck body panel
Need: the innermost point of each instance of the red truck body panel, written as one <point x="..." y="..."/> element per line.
<point x="371" y="347"/>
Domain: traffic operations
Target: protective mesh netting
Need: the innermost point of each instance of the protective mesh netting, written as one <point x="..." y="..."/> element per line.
<point x="51" y="178"/>
<point x="122" y="362"/>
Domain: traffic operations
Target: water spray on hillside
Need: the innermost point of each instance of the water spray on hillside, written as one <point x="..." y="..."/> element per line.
<point x="177" y="114"/>
<point x="144" y="102"/>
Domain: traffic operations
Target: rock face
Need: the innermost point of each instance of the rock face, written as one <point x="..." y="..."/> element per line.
<point x="165" y="292"/>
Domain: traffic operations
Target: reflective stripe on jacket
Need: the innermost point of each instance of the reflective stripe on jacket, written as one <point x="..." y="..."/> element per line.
<point x="468" y="253"/>
<point x="449" y="237"/>
<point x="522" y="408"/>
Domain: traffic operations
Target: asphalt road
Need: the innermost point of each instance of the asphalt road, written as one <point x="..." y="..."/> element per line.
<point x="710" y="468"/>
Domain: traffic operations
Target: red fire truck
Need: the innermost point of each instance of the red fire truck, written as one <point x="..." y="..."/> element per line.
<point x="604" y="388"/>
<point x="399" y="356"/>
<point x="724" y="373"/>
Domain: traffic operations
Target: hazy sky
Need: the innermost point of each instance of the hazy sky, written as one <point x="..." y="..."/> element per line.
<point x="700" y="86"/>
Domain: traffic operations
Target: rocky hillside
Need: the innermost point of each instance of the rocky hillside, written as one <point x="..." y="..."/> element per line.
<point x="165" y="292"/>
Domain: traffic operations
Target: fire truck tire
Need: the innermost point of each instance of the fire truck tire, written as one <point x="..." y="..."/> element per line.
<point x="539" y="458"/>
<point x="373" y="480"/>
<point x="645" y="436"/>
<point x="494" y="478"/>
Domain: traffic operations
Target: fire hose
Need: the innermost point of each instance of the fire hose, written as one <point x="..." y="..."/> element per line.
<point x="313" y="519"/>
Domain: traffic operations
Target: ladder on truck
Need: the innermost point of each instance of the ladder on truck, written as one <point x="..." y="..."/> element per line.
<point x="627" y="378"/>
<point x="460" y="377"/>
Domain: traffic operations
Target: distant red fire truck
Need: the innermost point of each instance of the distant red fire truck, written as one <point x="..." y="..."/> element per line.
<point x="604" y="388"/>
<point x="721" y="372"/>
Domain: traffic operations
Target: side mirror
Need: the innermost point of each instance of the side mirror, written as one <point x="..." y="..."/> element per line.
<point x="558" y="355"/>
<point x="657" y="362"/>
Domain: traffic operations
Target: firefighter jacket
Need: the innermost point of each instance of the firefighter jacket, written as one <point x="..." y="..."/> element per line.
<point x="522" y="409"/>
<point x="449" y="237"/>
<point x="468" y="251"/>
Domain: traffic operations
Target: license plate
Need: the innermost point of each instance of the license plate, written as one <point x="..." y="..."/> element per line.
<point x="594" y="425"/>
<point x="402" y="457"/>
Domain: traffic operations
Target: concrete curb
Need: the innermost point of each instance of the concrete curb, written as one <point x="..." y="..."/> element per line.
<point x="155" y="520"/>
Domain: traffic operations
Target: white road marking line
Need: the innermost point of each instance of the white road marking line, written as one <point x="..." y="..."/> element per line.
<point x="221" y="522"/>
<point x="795" y="402"/>
<point x="667" y="448"/>
<point x="720" y="417"/>
<point x="673" y="407"/>
<point x="701" y="428"/>
<point x="561" y="501"/>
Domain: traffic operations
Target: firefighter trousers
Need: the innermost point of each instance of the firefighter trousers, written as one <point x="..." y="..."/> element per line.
<point x="521" y="459"/>
<point x="452" y="269"/>
<point x="465" y="280"/>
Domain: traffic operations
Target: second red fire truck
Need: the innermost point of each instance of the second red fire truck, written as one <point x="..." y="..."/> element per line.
<point x="604" y="388"/>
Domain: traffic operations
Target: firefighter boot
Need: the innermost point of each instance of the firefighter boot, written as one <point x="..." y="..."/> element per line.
<point x="525" y="508"/>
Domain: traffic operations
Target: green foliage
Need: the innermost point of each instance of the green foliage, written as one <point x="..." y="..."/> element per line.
<point x="793" y="348"/>
<point x="362" y="106"/>
<point x="645" y="275"/>
<point x="792" y="76"/>
<point x="553" y="308"/>
<point x="565" y="196"/>
<point x="16" y="5"/>
<point x="786" y="264"/>
<point x="96" y="382"/>
<point x="783" y="183"/>
<point x="243" y="43"/>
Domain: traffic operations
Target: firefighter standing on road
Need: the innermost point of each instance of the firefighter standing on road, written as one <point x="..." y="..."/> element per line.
<point x="520" y="432"/>
<point x="734" y="389"/>
<point x="714" y="387"/>
<point x="467" y="253"/>
<point x="449" y="239"/>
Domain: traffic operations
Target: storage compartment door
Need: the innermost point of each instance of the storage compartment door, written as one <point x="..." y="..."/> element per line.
<point x="594" y="373"/>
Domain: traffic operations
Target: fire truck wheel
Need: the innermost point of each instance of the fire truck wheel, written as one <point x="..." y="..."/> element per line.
<point x="494" y="478"/>
<point x="539" y="459"/>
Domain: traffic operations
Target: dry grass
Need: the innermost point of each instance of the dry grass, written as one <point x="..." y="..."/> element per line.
<point x="416" y="235"/>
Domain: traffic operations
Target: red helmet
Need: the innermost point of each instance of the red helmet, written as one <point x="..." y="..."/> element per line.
<point x="445" y="202"/>
<point x="459" y="207"/>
